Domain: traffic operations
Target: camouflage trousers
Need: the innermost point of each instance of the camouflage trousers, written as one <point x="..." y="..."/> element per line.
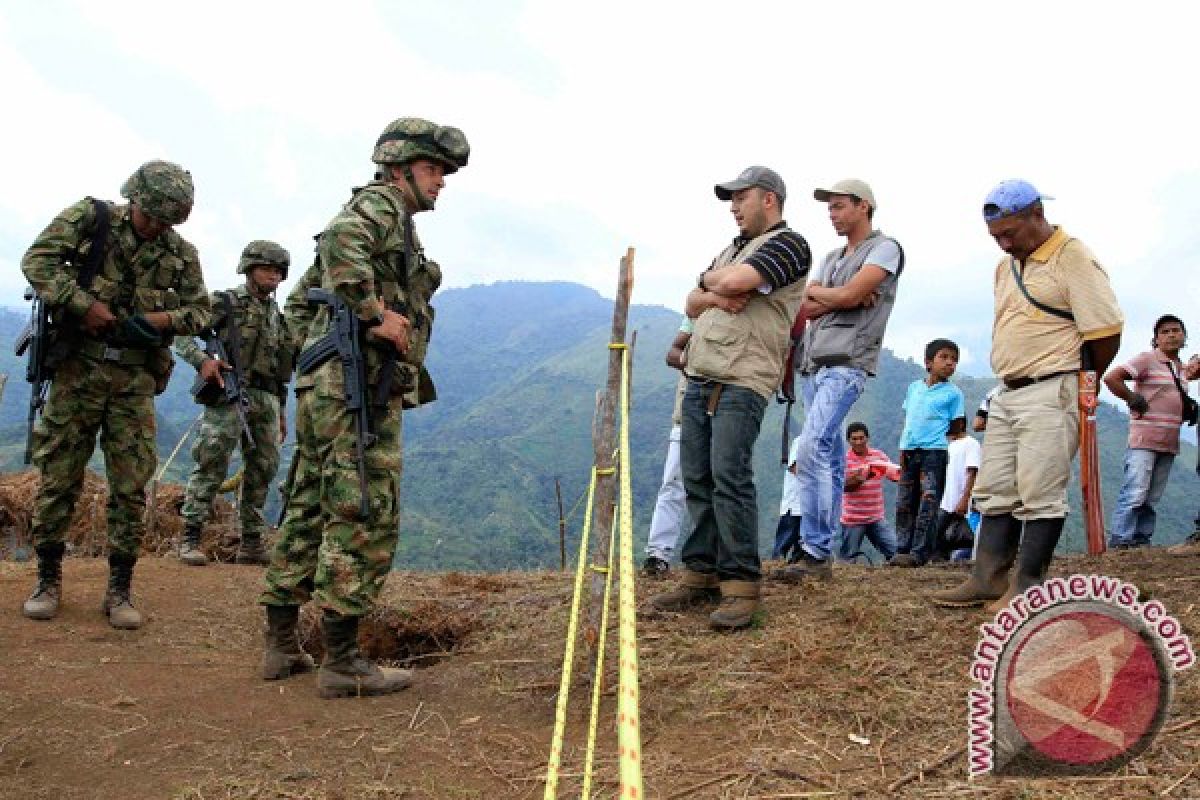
<point x="220" y="432"/>
<point x="86" y="398"/>
<point x="324" y="551"/>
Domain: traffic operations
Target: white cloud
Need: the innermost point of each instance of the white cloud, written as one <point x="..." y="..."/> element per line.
<point x="598" y="127"/>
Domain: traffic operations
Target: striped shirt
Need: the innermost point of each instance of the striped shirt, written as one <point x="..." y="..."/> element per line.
<point x="1158" y="428"/>
<point x="782" y="261"/>
<point x="865" y="504"/>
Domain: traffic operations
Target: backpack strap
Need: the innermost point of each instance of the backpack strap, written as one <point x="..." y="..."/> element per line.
<point x="95" y="256"/>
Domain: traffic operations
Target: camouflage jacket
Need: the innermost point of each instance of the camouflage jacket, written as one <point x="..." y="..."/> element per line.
<point x="370" y="256"/>
<point x="266" y="347"/>
<point x="136" y="277"/>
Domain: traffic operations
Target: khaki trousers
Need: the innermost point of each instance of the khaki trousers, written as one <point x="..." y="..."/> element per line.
<point x="1031" y="439"/>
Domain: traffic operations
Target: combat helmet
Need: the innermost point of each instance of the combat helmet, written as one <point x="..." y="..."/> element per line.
<point x="161" y="190"/>
<point x="264" y="252"/>
<point x="409" y="138"/>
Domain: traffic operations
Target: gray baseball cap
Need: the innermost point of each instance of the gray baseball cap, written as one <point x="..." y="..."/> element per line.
<point x="762" y="177"/>
<point x="850" y="186"/>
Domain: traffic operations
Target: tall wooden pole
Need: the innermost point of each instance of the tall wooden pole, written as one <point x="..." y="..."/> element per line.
<point x="604" y="444"/>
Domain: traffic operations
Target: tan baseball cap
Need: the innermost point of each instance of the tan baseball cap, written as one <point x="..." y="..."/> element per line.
<point x="850" y="186"/>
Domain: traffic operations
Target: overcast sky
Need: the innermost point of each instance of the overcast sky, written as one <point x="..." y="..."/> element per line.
<point x="602" y="125"/>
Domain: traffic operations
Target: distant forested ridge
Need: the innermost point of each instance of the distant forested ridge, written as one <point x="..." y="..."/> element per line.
<point x="517" y="367"/>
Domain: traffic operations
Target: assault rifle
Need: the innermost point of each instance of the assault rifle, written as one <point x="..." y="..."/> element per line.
<point x="234" y="392"/>
<point x="345" y="341"/>
<point x="36" y="339"/>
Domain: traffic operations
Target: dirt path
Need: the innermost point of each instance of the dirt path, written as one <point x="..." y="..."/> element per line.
<point x="175" y="710"/>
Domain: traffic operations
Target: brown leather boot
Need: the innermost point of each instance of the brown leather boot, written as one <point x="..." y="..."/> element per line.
<point x="345" y="672"/>
<point x="118" y="600"/>
<point x="43" y="603"/>
<point x="739" y="603"/>
<point x="999" y="536"/>
<point x="282" y="655"/>
<point x="1033" y="560"/>
<point x="190" y="550"/>
<point x="695" y="590"/>
<point x="251" y="550"/>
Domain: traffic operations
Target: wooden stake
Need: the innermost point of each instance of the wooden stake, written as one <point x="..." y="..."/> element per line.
<point x="604" y="445"/>
<point x="562" y="526"/>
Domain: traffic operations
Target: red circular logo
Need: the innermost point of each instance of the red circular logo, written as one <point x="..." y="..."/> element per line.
<point x="1085" y="685"/>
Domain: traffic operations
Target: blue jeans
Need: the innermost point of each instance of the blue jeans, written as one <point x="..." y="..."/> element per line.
<point x="918" y="496"/>
<point x="718" y="475"/>
<point x="821" y="457"/>
<point x="787" y="536"/>
<point x="1146" y="473"/>
<point x="877" y="532"/>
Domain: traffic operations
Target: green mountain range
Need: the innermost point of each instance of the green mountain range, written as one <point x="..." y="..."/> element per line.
<point x="517" y="367"/>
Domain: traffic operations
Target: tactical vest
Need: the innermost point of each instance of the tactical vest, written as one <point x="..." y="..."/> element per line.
<point x="850" y="337"/>
<point x="265" y="352"/>
<point x="748" y="348"/>
<point x="135" y="278"/>
<point x="405" y="281"/>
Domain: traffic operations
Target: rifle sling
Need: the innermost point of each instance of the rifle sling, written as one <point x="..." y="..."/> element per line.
<point x="95" y="256"/>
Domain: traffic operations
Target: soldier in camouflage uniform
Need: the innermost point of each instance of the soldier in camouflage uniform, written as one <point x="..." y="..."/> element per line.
<point x="265" y="354"/>
<point x="112" y="358"/>
<point x="370" y="257"/>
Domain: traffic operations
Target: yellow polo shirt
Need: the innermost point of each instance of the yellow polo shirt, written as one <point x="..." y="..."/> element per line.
<point x="1062" y="273"/>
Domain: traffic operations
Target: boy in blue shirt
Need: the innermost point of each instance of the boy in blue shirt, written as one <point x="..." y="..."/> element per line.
<point x="931" y="407"/>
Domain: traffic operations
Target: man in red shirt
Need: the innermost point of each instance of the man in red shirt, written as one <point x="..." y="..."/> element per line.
<point x="862" y="504"/>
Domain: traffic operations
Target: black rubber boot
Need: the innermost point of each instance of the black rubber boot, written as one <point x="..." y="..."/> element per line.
<point x="999" y="537"/>
<point x="1037" y="551"/>
<point x="282" y="655"/>
<point x="43" y="603"/>
<point x="345" y="672"/>
<point x="118" y="600"/>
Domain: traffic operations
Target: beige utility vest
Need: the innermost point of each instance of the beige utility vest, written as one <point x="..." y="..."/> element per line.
<point x="748" y="348"/>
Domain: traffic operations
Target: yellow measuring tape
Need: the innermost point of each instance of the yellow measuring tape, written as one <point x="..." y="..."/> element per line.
<point x="628" y="735"/>
<point x="564" y="685"/>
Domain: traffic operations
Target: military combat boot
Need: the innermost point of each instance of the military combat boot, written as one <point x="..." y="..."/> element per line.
<point x="1037" y="551"/>
<point x="345" y="672"/>
<point x="999" y="536"/>
<point x="190" y="552"/>
<point x="282" y="655"/>
<point x="251" y="550"/>
<point x="118" y="602"/>
<point x="695" y="590"/>
<point x="739" y="602"/>
<point x="43" y="603"/>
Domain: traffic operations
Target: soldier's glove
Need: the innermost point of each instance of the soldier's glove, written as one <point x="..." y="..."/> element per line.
<point x="1138" y="404"/>
<point x="136" y="331"/>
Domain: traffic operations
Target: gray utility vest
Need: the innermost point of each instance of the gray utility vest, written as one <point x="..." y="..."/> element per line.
<point x="850" y="337"/>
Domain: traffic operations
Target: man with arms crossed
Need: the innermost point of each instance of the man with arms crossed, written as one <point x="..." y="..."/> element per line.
<point x="848" y="305"/>
<point x="744" y="307"/>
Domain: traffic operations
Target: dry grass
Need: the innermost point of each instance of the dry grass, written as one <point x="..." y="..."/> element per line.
<point x="850" y="689"/>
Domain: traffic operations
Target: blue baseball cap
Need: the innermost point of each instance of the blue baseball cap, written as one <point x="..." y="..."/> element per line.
<point x="1010" y="197"/>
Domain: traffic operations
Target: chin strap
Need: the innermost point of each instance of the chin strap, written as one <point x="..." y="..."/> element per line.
<point x="422" y="200"/>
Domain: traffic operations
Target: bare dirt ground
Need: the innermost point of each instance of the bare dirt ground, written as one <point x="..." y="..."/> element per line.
<point x="176" y="710"/>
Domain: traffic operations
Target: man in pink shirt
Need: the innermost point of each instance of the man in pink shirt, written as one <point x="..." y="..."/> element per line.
<point x="862" y="504"/>
<point x="1156" y="410"/>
